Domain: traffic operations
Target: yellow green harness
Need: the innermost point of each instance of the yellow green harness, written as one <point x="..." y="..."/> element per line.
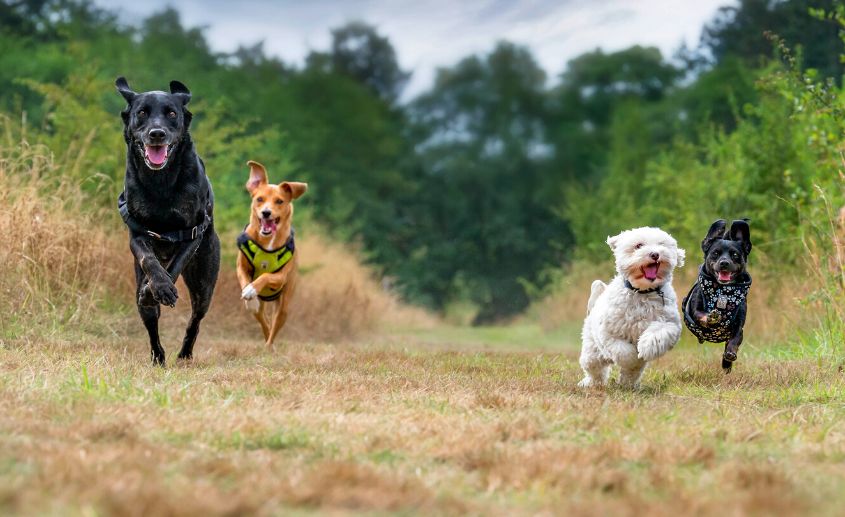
<point x="266" y="261"/>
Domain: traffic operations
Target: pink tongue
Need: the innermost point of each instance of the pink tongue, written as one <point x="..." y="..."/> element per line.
<point x="268" y="226"/>
<point x="156" y="154"/>
<point x="724" y="276"/>
<point x="650" y="271"/>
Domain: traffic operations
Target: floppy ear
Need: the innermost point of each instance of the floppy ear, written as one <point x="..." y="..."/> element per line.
<point x="741" y="232"/>
<point x="125" y="90"/>
<point x="181" y="91"/>
<point x="611" y="241"/>
<point x="682" y="255"/>
<point x="716" y="231"/>
<point x="295" y="188"/>
<point x="257" y="176"/>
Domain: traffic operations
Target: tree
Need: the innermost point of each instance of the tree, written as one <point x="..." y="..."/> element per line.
<point x="359" y="52"/>
<point x="738" y="31"/>
<point x="593" y="87"/>
<point x="482" y="146"/>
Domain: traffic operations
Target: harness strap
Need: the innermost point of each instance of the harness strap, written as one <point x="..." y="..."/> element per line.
<point x="272" y="261"/>
<point x="732" y="297"/>
<point x="174" y="236"/>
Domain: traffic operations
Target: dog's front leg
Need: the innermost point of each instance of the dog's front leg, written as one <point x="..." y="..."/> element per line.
<point x="182" y="256"/>
<point x="159" y="287"/>
<point x="272" y="280"/>
<point x="696" y="304"/>
<point x="173" y="269"/>
<point x="248" y="292"/>
<point x="657" y="339"/>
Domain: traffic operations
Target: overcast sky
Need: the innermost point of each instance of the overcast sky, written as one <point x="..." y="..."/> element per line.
<point x="432" y="33"/>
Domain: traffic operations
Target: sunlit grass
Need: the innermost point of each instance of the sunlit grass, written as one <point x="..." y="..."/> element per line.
<point x="481" y="424"/>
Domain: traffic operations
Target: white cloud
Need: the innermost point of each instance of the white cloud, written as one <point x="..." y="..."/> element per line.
<point x="432" y="33"/>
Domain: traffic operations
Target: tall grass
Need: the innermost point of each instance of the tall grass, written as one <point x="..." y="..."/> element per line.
<point x="58" y="253"/>
<point x="777" y="303"/>
<point x="66" y="266"/>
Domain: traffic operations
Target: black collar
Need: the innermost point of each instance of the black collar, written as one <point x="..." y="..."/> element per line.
<point x="643" y="291"/>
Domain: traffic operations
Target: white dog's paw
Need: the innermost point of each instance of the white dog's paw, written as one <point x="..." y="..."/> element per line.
<point x="649" y="348"/>
<point x="627" y="383"/>
<point x="249" y="292"/>
<point x="252" y="305"/>
<point x="589" y="382"/>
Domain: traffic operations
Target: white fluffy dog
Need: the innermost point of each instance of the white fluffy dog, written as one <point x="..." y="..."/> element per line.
<point x="633" y="319"/>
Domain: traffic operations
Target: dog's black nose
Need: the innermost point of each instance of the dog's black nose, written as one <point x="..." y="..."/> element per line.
<point x="265" y="214"/>
<point x="157" y="134"/>
<point x="654" y="256"/>
<point x="724" y="264"/>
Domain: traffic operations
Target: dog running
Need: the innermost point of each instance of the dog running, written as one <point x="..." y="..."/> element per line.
<point x="267" y="262"/>
<point x="634" y="319"/>
<point x="168" y="205"/>
<point x="715" y="308"/>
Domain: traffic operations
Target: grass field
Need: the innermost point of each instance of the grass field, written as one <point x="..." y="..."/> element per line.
<point x="443" y="421"/>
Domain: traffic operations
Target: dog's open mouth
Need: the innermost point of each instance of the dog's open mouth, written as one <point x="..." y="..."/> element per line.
<point x="725" y="276"/>
<point x="268" y="226"/>
<point x="156" y="156"/>
<point x="650" y="271"/>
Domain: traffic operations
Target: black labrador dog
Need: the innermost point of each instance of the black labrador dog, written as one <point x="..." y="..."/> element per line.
<point x="715" y="308"/>
<point x="168" y="205"/>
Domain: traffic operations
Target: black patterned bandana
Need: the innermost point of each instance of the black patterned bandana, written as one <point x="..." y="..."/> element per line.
<point x="724" y="300"/>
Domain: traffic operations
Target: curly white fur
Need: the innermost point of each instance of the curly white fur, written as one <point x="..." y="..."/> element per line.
<point x="627" y="327"/>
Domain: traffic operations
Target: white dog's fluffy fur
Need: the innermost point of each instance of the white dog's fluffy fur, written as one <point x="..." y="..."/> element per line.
<point x="625" y="326"/>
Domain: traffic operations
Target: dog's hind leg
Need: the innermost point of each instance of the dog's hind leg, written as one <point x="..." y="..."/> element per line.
<point x="282" y="314"/>
<point x="200" y="275"/>
<point x="631" y="367"/>
<point x="596" y="369"/>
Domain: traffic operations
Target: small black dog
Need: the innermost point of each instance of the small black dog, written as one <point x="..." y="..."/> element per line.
<point x="168" y="205"/>
<point x="715" y="308"/>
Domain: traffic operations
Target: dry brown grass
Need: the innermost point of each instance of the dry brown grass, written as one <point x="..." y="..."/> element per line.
<point x="55" y="267"/>
<point x="774" y="302"/>
<point x="337" y="298"/>
<point x="86" y="426"/>
<point x="67" y="267"/>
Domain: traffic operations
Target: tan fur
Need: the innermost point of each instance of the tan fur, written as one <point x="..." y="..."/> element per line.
<point x="266" y="196"/>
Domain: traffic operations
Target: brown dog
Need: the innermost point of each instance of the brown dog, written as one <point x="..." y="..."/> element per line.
<point x="267" y="262"/>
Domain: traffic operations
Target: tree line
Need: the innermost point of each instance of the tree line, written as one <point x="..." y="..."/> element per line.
<point x="497" y="174"/>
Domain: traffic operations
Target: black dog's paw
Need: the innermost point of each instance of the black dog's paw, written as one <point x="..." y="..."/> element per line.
<point x="728" y="361"/>
<point x="158" y="357"/>
<point x="713" y="318"/>
<point x="164" y="292"/>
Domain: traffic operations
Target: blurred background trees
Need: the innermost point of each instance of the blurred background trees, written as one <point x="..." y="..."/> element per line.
<point x="475" y="190"/>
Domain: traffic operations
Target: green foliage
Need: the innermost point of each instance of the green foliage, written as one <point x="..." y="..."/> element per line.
<point x="483" y="156"/>
<point x="473" y="192"/>
<point x="738" y="32"/>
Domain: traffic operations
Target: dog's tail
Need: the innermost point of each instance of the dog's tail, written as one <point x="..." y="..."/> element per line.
<point x="597" y="288"/>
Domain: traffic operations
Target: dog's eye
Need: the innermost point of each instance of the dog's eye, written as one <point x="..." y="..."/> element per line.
<point x="171" y="114"/>
<point x="259" y="199"/>
<point x="638" y="246"/>
<point x="279" y="201"/>
<point x="142" y="114"/>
